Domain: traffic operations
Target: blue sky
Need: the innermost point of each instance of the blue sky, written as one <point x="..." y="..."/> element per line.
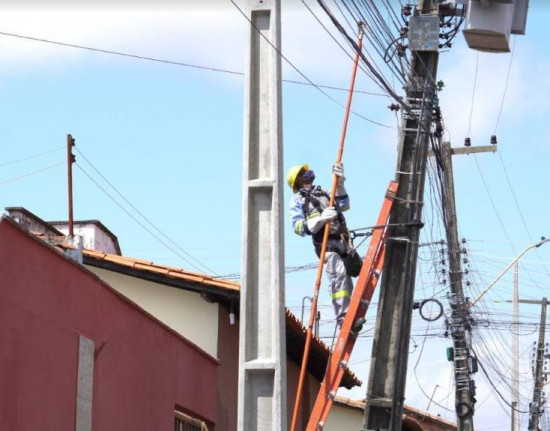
<point x="169" y="138"/>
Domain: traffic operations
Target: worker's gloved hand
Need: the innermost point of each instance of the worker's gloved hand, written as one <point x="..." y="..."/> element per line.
<point x="338" y="170"/>
<point x="315" y="224"/>
<point x="328" y="214"/>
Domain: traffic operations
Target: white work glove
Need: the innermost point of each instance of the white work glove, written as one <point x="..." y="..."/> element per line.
<point x="338" y="170"/>
<point x="315" y="224"/>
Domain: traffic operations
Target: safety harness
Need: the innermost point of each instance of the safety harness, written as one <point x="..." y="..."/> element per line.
<point x="315" y="201"/>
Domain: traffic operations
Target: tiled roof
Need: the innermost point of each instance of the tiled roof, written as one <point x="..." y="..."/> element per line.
<point x="360" y="405"/>
<point x="427" y="415"/>
<point x="318" y="354"/>
<point x="167" y="271"/>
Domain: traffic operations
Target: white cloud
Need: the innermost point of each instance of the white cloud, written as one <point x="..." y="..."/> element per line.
<point x="523" y="101"/>
<point x="211" y="35"/>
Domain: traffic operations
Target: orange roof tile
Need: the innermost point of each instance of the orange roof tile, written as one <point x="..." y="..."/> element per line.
<point x="360" y="404"/>
<point x="153" y="268"/>
<point x="170" y="271"/>
<point x="319" y="352"/>
<point x="94" y="253"/>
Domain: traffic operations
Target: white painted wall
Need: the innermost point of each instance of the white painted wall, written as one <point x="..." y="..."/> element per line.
<point x="93" y="237"/>
<point x="344" y="419"/>
<point x="185" y="312"/>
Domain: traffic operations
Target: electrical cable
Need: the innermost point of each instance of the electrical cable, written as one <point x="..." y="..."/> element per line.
<point x="30" y="174"/>
<point x="12" y="162"/>
<point x="505" y="85"/>
<point x="334" y="38"/>
<point x="170" y="62"/>
<point x="494" y="387"/>
<point x="473" y="95"/>
<point x="136" y="220"/>
<point x="480" y="171"/>
<point x="416" y="376"/>
<point x="205" y="267"/>
<point x="500" y="155"/>
<point x="369" y="65"/>
<point x="301" y="73"/>
<point x="499" y="218"/>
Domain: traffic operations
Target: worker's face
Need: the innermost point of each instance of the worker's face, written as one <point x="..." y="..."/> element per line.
<point x="306" y="179"/>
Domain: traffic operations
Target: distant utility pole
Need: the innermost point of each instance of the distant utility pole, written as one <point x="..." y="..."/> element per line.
<point x="515" y="352"/>
<point x="390" y="351"/>
<point x="262" y="357"/>
<point x="464" y="364"/>
<point x="535" y="408"/>
<point x="70" y="160"/>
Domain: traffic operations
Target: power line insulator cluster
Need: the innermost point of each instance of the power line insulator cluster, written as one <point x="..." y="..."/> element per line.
<point x="437" y="119"/>
<point x="394" y="107"/>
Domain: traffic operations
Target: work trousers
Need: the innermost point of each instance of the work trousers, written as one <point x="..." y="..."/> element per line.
<point x="339" y="283"/>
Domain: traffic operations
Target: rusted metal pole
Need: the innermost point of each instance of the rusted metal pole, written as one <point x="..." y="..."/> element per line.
<point x="70" y="160"/>
<point x="313" y="311"/>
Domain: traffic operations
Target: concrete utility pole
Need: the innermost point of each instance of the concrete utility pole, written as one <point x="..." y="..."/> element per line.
<point x="535" y="406"/>
<point x="262" y="356"/>
<point x="515" y="352"/>
<point x="463" y="362"/>
<point x="390" y="351"/>
<point x="464" y="398"/>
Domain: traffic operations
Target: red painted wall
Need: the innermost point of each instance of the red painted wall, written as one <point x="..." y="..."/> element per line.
<point x="142" y="369"/>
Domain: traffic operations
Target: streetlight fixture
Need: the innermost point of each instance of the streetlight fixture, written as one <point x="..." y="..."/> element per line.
<point x="536" y="245"/>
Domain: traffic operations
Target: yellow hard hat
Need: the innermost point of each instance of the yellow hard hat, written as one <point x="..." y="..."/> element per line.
<point x="292" y="175"/>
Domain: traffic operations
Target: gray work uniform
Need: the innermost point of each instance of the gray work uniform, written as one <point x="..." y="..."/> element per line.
<point x="308" y="204"/>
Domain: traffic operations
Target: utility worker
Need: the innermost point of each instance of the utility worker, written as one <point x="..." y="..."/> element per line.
<point x="310" y="212"/>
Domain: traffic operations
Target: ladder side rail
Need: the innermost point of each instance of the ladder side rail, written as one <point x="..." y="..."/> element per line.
<point x="361" y="297"/>
<point x="335" y="372"/>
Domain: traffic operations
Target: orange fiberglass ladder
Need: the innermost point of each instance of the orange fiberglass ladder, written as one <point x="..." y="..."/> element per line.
<point x="360" y="300"/>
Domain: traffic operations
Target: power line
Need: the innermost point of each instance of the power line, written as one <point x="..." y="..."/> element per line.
<point x="139" y="222"/>
<point x="30" y="174"/>
<point x="171" y="62"/>
<point x="301" y="73"/>
<point x="473" y="95"/>
<point x="12" y="162"/>
<point x="505" y="85"/>
<point x="142" y="215"/>
<point x="481" y="173"/>
<point x="500" y="155"/>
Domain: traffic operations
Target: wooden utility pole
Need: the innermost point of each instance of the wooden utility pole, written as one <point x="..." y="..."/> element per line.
<point x="390" y="351"/>
<point x="70" y="161"/>
<point x="535" y="406"/>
